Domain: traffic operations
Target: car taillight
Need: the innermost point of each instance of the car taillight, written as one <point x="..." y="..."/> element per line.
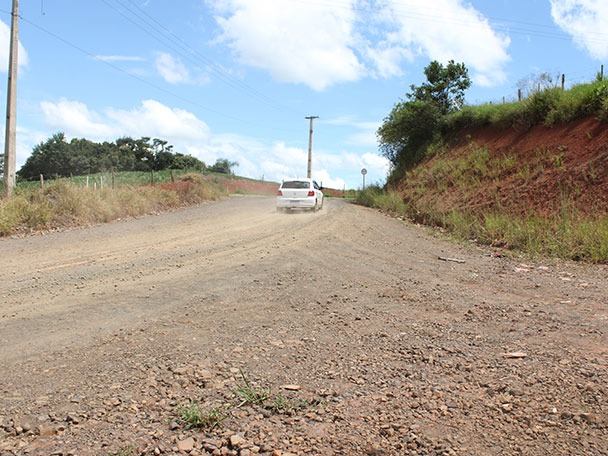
<point x="279" y="193"/>
<point x="311" y="193"/>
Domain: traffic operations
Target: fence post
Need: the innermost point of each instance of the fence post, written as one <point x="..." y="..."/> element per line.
<point x="563" y="80"/>
<point x="41" y="181"/>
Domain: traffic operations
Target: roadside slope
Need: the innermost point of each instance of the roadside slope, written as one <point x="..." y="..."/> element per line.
<point x="542" y="170"/>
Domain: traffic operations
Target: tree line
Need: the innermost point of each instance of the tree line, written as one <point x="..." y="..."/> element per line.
<point x="57" y="157"/>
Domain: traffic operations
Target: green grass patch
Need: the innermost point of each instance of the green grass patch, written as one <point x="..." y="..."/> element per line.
<point x="549" y="106"/>
<point x="194" y="416"/>
<point x="567" y="235"/>
<point x="249" y="394"/>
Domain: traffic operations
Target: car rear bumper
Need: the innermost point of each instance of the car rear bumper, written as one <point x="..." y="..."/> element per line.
<point x="294" y="203"/>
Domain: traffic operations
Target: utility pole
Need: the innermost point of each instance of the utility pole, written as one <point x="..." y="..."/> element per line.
<point x="309" y="171"/>
<point x="10" y="139"/>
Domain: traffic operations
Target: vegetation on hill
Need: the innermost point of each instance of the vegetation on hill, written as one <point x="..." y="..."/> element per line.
<point x="530" y="175"/>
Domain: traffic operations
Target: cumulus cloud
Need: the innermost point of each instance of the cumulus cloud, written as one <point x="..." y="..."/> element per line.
<point x="446" y="30"/>
<point x="151" y="119"/>
<point x="586" y="21"/>
<point x="5" y="39"/>
<point x="324" y="43"/>
<point x="301" y="42"/>
<point x="76" y="117"/>
<point x="158" y="120"/>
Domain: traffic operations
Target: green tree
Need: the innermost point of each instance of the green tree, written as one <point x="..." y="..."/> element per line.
<point x="407" y="132"/>
<point x="223" y="166"/>
<point x="188" y="162"/>
<point x="50" y="158"/>
<point x="141" y="150"/>
<point x="162" y="160"/>
<point x="413" y="125"/>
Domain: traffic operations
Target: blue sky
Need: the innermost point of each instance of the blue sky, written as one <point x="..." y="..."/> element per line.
<point x="236" y="78"/>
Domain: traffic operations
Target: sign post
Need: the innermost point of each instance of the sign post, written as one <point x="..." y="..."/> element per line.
<point x="363" y="173"/>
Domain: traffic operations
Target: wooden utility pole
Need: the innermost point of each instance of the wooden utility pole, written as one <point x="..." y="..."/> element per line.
<point x="309" y="170"/>
<point x="10" y="139"/>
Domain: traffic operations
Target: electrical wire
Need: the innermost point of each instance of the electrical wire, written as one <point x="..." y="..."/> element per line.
<point x="117" y="68"/>
<point x="137" y="16"/>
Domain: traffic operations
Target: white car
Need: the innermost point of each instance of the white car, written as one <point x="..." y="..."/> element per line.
<point x="299" y="194"/>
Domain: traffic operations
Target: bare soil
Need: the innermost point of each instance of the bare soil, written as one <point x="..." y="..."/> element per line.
<point x="364" y="325"/>
<point x="558" y="167"/>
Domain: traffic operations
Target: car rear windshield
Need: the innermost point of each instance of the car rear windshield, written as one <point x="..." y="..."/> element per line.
<point x="296" y="184"/>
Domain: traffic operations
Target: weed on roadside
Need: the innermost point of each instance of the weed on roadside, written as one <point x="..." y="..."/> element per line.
<point x="125" y="451"/>
<point x="282" y="404"/>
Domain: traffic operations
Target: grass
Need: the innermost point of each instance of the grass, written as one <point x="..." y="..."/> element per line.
<point x="194" y="416"/>
<point x="550" y="106"/>
<point x="129" y="450"/>
<point x="568" y="236"/>
<point x="246" y="393"/>
<point x="566" y="233"/>
<point x="249" y="394"/>
<point x="68" y="203"/>
<point x="262" y="397"/>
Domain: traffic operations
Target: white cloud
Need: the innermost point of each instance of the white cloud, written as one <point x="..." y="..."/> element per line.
<point x="586" y="21"/>
<point x="157" y="120"/>
<point x="74" y="117"/>
<point x="298" y="42"/>
<point x="446" y="30"/>
<point x="151" y="119"/>
<point x="324" y="43"/>
<point x="5" y="39"/>
<point x="171" y="69"/>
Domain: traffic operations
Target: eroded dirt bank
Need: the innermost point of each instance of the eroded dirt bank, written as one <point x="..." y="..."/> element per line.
<point x="388" y="349"/>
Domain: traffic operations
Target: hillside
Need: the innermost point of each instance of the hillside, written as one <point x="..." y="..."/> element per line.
<point x="542" y="170"/>
<point x="542" y="190"/>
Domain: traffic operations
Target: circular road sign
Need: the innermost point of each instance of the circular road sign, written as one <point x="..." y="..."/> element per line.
<point x="364" y="171"/>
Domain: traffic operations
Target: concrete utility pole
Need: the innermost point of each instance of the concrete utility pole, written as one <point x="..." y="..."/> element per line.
<point x="309" y="171"/>
<point x="10" y="147"/>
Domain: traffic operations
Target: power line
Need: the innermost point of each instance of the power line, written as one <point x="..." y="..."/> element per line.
<point x="135" y="77"/>
<point x="182" y="48"/>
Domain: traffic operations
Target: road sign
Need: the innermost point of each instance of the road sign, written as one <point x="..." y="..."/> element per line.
<point x="363" y="171"/>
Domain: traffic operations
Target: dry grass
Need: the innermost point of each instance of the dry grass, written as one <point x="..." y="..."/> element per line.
<point x="62" y="204"/>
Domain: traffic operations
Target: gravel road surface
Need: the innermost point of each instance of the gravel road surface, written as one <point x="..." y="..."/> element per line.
<point x="363" y="333"/>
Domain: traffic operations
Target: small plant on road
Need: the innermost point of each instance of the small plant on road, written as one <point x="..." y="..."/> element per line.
<point x="249" y="394"/>
<point x="282" y="404"/>
<point x="193" y="416"/>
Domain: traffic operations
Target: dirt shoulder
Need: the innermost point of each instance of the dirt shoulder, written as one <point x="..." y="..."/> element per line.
<point x="348" y="316"/>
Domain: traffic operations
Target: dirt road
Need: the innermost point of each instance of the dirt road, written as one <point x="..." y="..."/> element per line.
<point x="364" y="339"/>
